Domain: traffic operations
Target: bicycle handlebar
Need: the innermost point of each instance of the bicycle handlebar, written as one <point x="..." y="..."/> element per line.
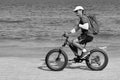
<point x="65" y="35"/>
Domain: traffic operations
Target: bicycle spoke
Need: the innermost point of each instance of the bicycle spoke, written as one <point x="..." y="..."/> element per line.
<point x="97" y="59"/>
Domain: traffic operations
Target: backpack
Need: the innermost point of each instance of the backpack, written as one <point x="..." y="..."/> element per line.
<point x="94" y="26"/>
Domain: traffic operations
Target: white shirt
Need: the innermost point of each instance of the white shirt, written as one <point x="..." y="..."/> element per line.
<point x="84" y="26"/>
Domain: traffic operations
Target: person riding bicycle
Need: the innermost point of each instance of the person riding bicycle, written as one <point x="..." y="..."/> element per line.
<point x="85" y="35"/>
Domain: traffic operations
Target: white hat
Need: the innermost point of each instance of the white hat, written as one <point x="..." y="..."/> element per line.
<point x="78" y="8"/>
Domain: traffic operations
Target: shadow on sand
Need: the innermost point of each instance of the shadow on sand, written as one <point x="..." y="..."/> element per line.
<point x="82" y="67"/>
<point x="43" y="66"/>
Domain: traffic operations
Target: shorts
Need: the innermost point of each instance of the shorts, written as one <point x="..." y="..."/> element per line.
<point x="85" y="39"/>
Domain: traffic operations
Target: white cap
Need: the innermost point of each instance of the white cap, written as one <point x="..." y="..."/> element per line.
<point x="78" y="8"/>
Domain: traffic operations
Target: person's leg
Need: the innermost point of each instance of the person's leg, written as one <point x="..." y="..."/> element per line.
<point x="74" y="49"/>
<point x="77" y="44"/>
<point x="86" y="40"/>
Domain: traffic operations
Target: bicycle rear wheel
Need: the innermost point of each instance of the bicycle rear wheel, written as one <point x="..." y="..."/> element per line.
<point x="97" y="59"/>
<point x="56" y="60"/>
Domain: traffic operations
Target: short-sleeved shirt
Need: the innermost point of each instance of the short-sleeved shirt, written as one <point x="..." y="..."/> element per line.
<point x="82" y="21"/>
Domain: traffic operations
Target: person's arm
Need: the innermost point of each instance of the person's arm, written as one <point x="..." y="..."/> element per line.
<point x="84" y="26"/>
<point x="75" y="29"/>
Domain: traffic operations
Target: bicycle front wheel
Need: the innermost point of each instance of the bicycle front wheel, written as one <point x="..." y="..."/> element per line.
<point x="56" y="59"/>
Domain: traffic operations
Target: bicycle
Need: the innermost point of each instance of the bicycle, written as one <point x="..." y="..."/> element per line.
<point x="60" y="59"/>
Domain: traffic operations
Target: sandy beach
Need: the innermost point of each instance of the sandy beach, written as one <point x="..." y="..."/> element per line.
<point x="25" y="61"/>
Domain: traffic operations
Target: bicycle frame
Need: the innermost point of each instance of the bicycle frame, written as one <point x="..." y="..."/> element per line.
<point x="89" y="59"/>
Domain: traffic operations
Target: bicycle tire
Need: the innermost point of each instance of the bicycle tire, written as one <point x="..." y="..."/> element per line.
<point x="50" y="53"/>
<point x="104" y="64"/>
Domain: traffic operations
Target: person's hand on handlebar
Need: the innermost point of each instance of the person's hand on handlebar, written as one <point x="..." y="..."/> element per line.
<point x="66" y="34"/>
